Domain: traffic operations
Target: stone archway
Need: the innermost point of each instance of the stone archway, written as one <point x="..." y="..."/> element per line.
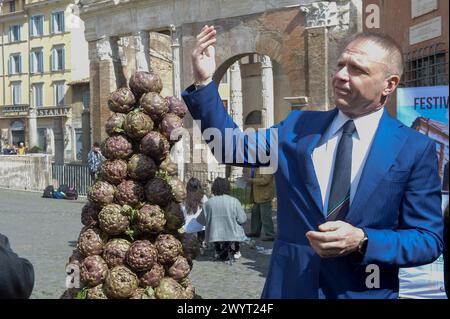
<point x="277" y="33"/>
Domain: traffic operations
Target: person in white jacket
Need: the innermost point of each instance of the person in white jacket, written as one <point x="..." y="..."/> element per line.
<point x="192" y="207"/>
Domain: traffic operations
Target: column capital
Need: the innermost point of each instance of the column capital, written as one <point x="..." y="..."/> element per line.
<point x="266" y="62"/>
<point x="104" y="49"/>
<point x="335" y="14"/>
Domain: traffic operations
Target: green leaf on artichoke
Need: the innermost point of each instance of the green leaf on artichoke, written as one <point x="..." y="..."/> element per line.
<point x="82" y="294"/>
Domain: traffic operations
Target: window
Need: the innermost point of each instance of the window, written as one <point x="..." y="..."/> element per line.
<point x="38" y="94"/>
<point x="58" y="58"/>
<point x="16" y="93"/>
<point x="14" y="33"/>
<point x="15" y="64"/>
<point x="426" y="67"/>
<point x="57" y="24"/>
<point x="86" y="99"/>
<point x="37" y="26"/>
<point x="59" y="93"/>
<point x="12" y="6"/>
<point x="36" y="61"/>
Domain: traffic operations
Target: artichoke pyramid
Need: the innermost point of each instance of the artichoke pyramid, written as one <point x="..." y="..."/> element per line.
<point x="128" y="249"/>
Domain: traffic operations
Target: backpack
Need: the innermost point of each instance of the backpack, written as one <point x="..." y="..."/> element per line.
<point x="71" y="193"/>
<point x="59" y="195"/>
<point x="63" y="188"/>
<point x="48" y="191"/>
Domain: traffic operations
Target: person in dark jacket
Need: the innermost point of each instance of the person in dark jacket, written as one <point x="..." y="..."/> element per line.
<point x="16" y="274"/>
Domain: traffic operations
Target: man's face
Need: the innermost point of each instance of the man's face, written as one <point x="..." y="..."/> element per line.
<point x="360" y="78"/>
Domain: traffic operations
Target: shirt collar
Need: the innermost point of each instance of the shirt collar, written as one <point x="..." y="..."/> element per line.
<point x="365" y="125"/>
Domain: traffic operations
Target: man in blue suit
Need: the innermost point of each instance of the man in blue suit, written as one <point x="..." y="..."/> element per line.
<point x="358" y="192"/>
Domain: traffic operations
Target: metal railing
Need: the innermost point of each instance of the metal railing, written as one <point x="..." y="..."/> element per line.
<point x="73" y="175"/>
<point x="77" y="175"/>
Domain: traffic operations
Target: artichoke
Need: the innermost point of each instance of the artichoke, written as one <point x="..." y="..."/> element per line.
<point x="169" y="248"/>
<point x="174" y="217"/>
<point x="96" y="292"/>
<point x="158" y="192"/>
<point x="121" y="100"/>
<point x="113" y="171"/>
<point x="152" y="277"/>
<point x="169" y="289"/>
<point x="191" y="246"/>
<point x="112" y="220"/>
<point x="150" y="219"/>
<point x="171" y="127"/>
<point x="115" y="251"/>
<point x="117" y="147"/>
<point x="93" y="270"/>
<point x="176" y="106"/>
<point x="141" y="256"/>
<point x="91" y="242"/>
<point x="168" y="166"/>
<point x="154" y="105"/>
<point x="129" y="193"/>
<point x="137" y="124"/>
<point x="120" y="283"/>
<point x="178" y="189"/>
<point x="142" y="293"/>
<point x="101" y="193"/>
<point x="189" y="289"/>
<point x="142" y="82"/>
<point x="89" y="214"/>
<point x="179" y="269"/>
<point x="114" y="124"/>
<point x="141" y="167"/>
<point x="155" y="145"/>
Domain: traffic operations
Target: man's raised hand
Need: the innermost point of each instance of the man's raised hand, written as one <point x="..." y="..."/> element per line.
<point x="203" y="55"/>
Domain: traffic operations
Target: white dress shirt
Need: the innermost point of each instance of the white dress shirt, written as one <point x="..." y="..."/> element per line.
<point x="325" y="152"/>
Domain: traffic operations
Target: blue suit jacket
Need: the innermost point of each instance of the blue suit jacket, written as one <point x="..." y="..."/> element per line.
<point x="397" y="203"/>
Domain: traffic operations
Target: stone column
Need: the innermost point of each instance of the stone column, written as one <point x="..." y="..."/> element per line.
<point x="86" y="137"/>
<point x="176" y="78"/>
<point x="142" y="47"/>
<point x="318" y="74"/>
<point x="58" y="131"/>
<point x="236" y="108"/>
<point x="236" y="94"/>
<point x="32" y="127"/>
<point x="267" y="91"/>
<point x="102" y="83"/>
<point x="176" y="58"/>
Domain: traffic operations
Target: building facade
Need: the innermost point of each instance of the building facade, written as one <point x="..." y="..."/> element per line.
<point x="43" y="54"/>
<point x="420" y="27"/>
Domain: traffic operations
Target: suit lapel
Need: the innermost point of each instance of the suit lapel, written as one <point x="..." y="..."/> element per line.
<point x="386" y="145"/>
<point x="312" y="133"/>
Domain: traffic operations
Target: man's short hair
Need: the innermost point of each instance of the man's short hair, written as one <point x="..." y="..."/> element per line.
<point x="96" y="144"/>
<point x="394" y="57"/>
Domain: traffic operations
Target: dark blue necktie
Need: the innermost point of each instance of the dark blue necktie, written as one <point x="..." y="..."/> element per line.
<point x="339" y="200"/>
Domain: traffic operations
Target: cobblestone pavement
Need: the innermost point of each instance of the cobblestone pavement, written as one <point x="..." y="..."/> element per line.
<point x="45" y="232"/>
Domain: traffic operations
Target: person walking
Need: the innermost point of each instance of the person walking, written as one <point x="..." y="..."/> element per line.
<point x="95" y="159"/>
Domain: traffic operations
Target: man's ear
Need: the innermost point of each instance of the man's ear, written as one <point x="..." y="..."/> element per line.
<point x="391" y="84"/>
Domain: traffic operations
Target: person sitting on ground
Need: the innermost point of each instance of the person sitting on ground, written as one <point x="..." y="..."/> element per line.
<point x="16" y="274"/>
<point x="224" y="218"/>
<point x="192" y="207"/>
